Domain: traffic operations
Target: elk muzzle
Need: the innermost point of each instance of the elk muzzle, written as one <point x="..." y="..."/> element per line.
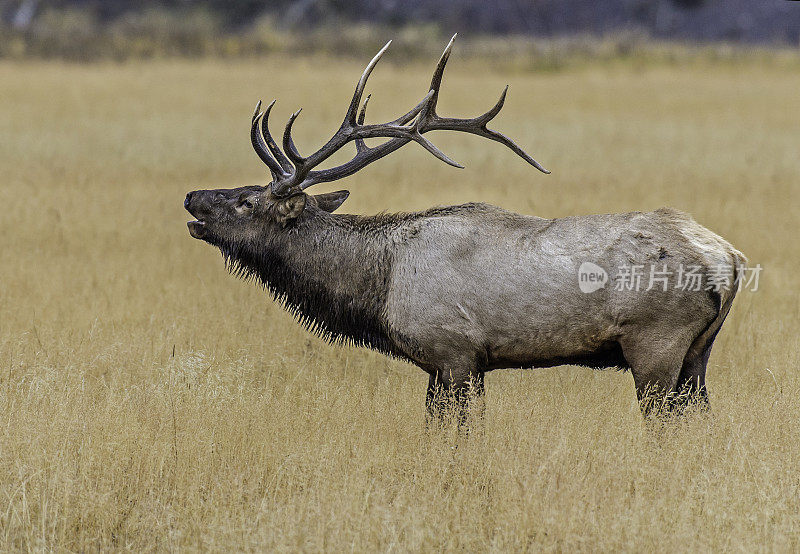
<point x="193" y="204"/>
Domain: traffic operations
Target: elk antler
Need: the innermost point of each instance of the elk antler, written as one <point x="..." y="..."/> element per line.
<point x="292" y="172"/>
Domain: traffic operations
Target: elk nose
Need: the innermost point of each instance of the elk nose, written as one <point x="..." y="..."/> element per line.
<point x="188" y="200"/>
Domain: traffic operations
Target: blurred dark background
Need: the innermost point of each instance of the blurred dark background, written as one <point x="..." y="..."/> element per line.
<point x="99" y="28"/>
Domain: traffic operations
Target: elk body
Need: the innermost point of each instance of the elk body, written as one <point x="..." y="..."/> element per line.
<point x="466" y="289"/>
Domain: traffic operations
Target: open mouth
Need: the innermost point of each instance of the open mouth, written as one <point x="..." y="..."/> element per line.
<point x="197" y="228"/>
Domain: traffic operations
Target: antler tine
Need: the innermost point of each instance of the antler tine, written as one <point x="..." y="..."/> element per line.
<point x="279" y="156"/>
<point x="428" y="104"/>
<point x="362" y="114"/>
<point x="288" y="143"/>
<point x="430" y="147"/>
<point x="360" y="144"/>
<point x="352" y="110"/>
<point x="491" y="114"/>
<point x="477" y="126"/>
<point x="261" y="147"/>
<point x="436" y="80"/>
<point x="501" y="138"/>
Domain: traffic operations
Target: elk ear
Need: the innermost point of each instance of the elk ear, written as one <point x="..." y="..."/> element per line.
<point x="331" y="200"/>
<point x="290" y="208"/>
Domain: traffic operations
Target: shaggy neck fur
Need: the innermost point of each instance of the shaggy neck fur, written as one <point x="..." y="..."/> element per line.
<point x="330" y="271"/>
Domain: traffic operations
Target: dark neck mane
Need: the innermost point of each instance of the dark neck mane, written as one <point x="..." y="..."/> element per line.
<point x="330" y="271"/>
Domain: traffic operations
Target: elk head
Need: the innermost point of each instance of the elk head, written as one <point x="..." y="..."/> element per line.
<point x="229" y="215"/>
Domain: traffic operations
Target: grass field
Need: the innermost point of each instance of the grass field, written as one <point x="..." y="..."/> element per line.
<point x="150" y="401"/>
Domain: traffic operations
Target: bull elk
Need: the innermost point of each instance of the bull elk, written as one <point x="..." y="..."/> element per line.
<point x="462" y="290"/>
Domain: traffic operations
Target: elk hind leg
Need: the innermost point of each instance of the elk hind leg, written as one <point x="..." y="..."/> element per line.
<point x="691" y="385"/>
<point x="656" y="365"/>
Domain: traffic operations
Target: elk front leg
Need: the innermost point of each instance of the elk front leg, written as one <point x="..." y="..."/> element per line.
<point x="459" y="394"/>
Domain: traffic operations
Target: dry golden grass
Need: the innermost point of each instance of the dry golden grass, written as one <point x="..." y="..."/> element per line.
<point x="149" y="401"/>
